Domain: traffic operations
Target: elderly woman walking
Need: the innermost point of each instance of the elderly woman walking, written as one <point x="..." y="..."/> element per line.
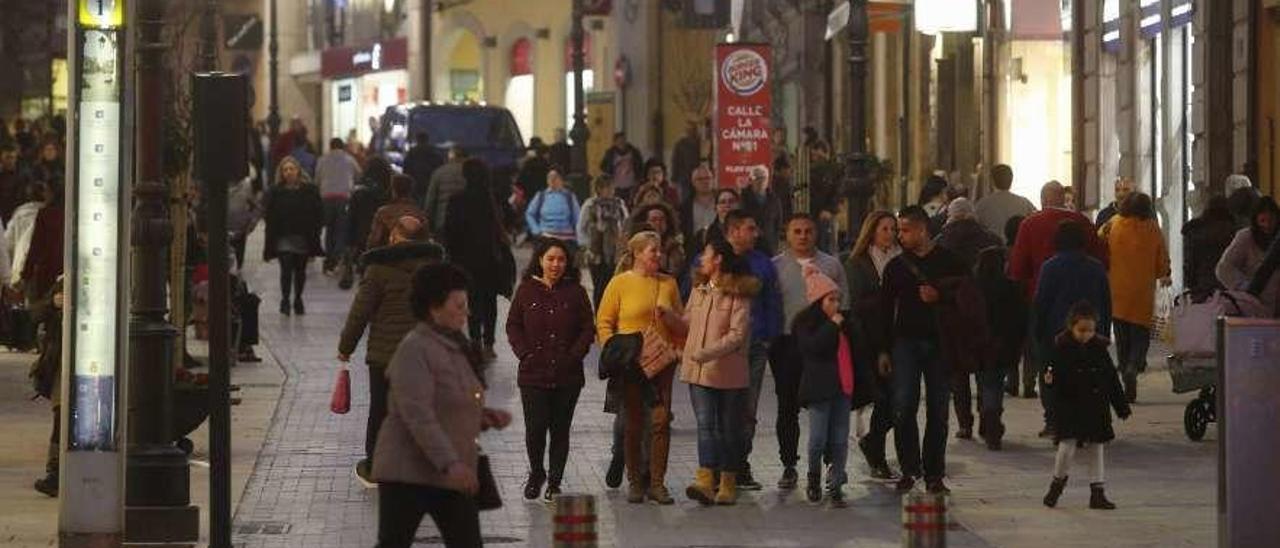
<point x="1139" y="259"/>
<point x="426" y="458"/>
<point x="631" y="304"/>
<point x="551" y="330"/>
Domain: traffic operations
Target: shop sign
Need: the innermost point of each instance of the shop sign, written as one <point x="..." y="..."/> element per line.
<point x="380" y="56"/>
<point x="743" y="103"/>
<point x="586" y="52"/>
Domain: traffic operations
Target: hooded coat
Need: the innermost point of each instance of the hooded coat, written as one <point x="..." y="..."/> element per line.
<point x="719" y="319"/>
<point x="382" y="301"/>
<point x="966" y="238"/>
<point x="1086" y="388"/>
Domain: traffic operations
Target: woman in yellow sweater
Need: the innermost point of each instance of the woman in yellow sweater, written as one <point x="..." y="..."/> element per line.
<point x="1139" y="259"/>
<point x="631" y="303"/>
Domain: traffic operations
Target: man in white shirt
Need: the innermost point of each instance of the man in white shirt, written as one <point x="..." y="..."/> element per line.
<point x="336" y="173"/>
<point x="995" y="209"/>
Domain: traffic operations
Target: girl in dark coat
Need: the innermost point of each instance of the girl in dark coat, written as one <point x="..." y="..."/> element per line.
<point x="1086" y="388"/>
<point x="826" y="384"/>
<point x="551" y="328"/>
<point x="294" y="216"/>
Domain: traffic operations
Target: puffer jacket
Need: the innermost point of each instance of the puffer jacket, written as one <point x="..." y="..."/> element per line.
<point x="382" y="301"/>
<point x="719" y="319"/>
<point x="551" y="330"/>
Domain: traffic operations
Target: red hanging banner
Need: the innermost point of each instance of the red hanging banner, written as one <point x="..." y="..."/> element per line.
<point x="743" y="102"/>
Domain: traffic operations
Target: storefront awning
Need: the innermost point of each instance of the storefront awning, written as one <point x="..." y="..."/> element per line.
<point x="1036" y="20"/>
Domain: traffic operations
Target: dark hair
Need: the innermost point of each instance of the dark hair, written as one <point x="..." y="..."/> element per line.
<point x="1138" y="205"/>
<point x="1002" y="177"/>
<point x="809" y="318"/>
<point x="781" y="162"/>
<point x="1011" y="228"/>
<point x="432" y="284"/>
<point x="1266" y="204"/>
<point x="619" y="134"/>
<point x="1218" y="208"/>
<point x="736" y="217"/>
<point x="1082" y="310"/>
<point x="475" y="172"/>
<point x="730" y="191"/>
<point x="1071" y="236"/>
<point x="421" y="138"/>
<point x="933" y="186"/>
<point x="401" y="185"/>
<point x="732" y="263"/>
<point x="914" y="214"/>
<point x="377" y="172"/>
<point x="991" y="263"/>
<point x="654" y="162"/>
<point x="800" y="217"/>
<point x="336" y="144"/>
<point x="540" y="247"/>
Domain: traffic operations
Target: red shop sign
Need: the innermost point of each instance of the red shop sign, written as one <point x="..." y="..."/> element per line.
<point x="521" y="57"/>
<point x="743" y="102"/>
<point x="376" y="57"/>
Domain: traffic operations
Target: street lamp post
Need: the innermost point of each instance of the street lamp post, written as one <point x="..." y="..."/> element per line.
<point x="579" y="133"/>
<point x="157" y="486"/>
<point x="273" y="93"/>
<point x="858" y="187"/>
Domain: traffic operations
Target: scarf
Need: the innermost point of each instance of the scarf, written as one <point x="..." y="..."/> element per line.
<point x="844" y="365"/>
<point x="881" y="258"/>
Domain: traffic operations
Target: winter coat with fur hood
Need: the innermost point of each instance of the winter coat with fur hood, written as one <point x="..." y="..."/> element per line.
<point x="719" y="319"/>
<point x="382" y="301"/>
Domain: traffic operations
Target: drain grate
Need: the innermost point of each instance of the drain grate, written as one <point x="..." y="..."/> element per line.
<point x="437" y="540"/>
<point x="264" y="528"/>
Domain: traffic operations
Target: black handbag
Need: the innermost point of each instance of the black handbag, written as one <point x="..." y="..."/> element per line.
<point x="620" y="352"/>
<point x="487" y="497"/>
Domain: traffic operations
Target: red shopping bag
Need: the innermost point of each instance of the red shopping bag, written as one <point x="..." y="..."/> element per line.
<point x="341" y="401"/>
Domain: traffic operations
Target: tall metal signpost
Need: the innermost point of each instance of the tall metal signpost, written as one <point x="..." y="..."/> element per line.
<point x="579" y="133"/>
<point x="858" y="186"/>
<point x="96" y="285"/>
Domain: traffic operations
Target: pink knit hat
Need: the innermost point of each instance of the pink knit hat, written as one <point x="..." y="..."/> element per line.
<point x="817" y="285"/>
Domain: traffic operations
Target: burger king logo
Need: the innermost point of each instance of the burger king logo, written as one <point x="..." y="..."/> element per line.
<point x="744" y="72"/>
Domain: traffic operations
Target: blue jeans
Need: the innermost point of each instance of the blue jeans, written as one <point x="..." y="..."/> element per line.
<point x="829" y="435"/>
<point x="757" y="361"/>
<point x="913" y="359"/>
<point x="335" y="222"/>
<point x="720" y="433"/>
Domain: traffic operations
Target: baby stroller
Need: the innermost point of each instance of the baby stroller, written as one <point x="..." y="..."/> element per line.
<point x="1193" y="366"/>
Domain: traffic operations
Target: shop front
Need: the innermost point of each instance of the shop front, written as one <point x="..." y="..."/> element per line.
<point x="360" y="83"/>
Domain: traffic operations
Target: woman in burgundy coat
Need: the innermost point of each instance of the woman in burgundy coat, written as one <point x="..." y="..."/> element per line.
<point x="551" y="327"/>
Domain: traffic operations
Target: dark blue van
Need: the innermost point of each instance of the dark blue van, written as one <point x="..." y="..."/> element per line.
<point x="487" y="132"/>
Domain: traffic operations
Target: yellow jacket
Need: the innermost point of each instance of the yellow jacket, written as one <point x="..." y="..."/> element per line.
<point x="630" y="301"/>
<point x="1138" y="259"/>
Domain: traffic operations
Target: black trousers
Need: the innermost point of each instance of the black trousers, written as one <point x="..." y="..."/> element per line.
<point x="484" y="314"/>
<point x="378" y="388"/>
<point x="600" y="276"/>
<point x="402" y="506"/>
<point x="55" y="447"/>
<point x="784" y="363"/>
<point x="881" y="424"/>
<point x="548" y="410"/>
<point x="237" y="245"/>
<point x="293" y="275"/>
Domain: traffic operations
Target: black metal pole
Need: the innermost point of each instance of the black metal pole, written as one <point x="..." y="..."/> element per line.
<point x="273" y="97"/>
<point x="209" y="36"/>
<point x="219" y="367"/>
<point x="857" y="186"/>
<point x="427" y="18"/>
<point x="157" y="485"/>
<point x="579" y="133"/>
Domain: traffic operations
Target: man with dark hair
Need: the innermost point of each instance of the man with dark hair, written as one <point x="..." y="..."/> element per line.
<point x="686" y="155"/>
<point x="1124" y="186"/>
<point x="912" y="294"/>
<point x="764" y="202"/>
<point x="741" y="232"/>
<point x="446" y="183"/>
<point x="995" y="209"/>
<point x="336" y="174"/>
<point x="802" y="253"/>
<point x="532" y="176"/>
<point x="422" y="160"/>
<point x="13" y="183"/>
<point x="625" y="164"/>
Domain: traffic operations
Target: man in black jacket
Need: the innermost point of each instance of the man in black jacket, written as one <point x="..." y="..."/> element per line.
<point x="625" y="163"/>
<point x="420" y="163"/>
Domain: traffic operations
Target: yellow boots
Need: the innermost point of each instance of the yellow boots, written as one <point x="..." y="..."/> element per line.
<point x="702" y="489"/>
<point x="728" y="494"/>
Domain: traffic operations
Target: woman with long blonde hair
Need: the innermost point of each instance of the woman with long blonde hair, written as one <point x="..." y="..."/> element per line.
<point x="877" y="244"/>
<point x="294" y="215"/>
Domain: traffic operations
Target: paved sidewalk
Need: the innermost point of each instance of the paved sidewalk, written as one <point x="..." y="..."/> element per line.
<point x="303" y="492"/>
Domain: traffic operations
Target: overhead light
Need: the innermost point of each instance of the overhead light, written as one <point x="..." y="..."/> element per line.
<point x="934" y="16"/>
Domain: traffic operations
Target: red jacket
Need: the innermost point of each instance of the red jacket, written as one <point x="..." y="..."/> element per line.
<point x="44" y="261"/>
<point x="1035" y="245"/>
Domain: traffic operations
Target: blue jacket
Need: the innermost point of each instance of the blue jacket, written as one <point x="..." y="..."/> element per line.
<point x="1065" y="279"/>
<point x="553" y="213"/>
<point x="766" y="307"/>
